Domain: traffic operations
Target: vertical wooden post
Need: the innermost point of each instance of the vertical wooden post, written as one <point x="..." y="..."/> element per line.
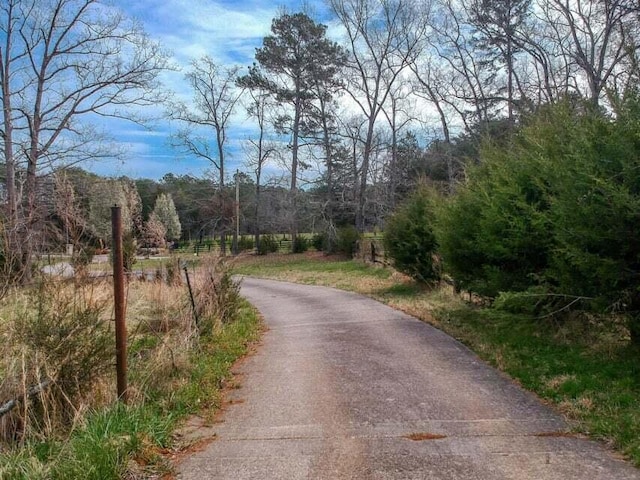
<point x="119" y="303"/>
<point x="193" y="302"/>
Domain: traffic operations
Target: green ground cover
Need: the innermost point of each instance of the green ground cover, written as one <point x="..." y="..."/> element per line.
<point x="131" y="441"/>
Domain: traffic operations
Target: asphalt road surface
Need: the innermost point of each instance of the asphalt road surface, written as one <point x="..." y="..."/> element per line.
<point x="344" y="387"/>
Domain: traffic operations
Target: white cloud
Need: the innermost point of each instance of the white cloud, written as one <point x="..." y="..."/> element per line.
<point x="192" y="28"/>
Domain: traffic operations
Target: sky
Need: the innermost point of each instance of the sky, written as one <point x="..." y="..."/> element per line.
<point x="229" y="31"/>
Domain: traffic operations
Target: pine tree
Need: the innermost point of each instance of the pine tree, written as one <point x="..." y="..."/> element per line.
<point x="498" y="23"/>
<point x="293" y="61"/>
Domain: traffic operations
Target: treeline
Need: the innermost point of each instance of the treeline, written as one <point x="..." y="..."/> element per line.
<point x="446" y="71"/>
<point x="154" y="212"/>
<point x="77" y="205"/>
<point x="546" y="223"/>
<point x="343" y="117"/>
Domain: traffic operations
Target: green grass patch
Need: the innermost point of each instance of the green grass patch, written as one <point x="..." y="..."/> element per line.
<point x="100" y="449"/>
<point x="212" y="368"/>
<point x="584" y="364"/>
<point x="407" y="290"/>
<point x="311" y="268"/>
<point x="104" y="446"/>
<point x="591" y="375"/>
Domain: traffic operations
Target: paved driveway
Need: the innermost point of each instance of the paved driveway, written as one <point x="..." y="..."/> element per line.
<point x="344" y="387"/>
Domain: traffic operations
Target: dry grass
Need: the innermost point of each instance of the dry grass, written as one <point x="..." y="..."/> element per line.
<point x="577" y="407"/>
<point x="174" y="369"/>
<point x="558" y="381"/>
<point x="57" y="337"/>
<point x="63" y="331"/>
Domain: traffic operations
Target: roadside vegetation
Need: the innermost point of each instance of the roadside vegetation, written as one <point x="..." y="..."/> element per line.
<point x="57" y="360"/>
<point x="496" y="144"/>
<point x="583" y="363"/>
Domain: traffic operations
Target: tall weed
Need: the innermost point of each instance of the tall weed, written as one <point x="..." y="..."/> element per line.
<point x="61" y="337"/>
<point x="217" y="295"/>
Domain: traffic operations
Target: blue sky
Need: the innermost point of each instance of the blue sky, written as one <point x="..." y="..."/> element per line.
<point x="229" y="31"/>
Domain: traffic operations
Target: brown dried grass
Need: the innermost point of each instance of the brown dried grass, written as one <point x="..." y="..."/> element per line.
<point x="63" y="330"/>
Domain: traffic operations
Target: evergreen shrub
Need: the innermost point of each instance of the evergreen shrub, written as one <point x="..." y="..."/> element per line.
<point x="409" y="239"/>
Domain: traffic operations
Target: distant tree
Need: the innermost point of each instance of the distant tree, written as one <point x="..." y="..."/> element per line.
<point x="133" y="204"/>
<point x="215" y="97"/>
<point x="384" y="38"/>
<point x="196" y="202"/>
<point x="399" y="115"/>
<point x="293" y="60"/>
<point x="68" y="209"/>
<point x="165" y="212"/>
<point x="148" y="190"/>
<point x="154" y="233"/>
<point x="103" y="194"/>
<point x="260" y="108"/>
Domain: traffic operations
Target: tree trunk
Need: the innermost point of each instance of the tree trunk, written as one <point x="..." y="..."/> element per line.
<point x="9" y="158"/>
<point x="257" y="213"/>
<point x="510" y="78"/>
<point x="360" y="214"/>
<point x="394" y="156"/>
<point x="294" y="167"/>
<point x="329" y="162"/>
<point x="7" y="123"/>
<point x="223" y="222"/>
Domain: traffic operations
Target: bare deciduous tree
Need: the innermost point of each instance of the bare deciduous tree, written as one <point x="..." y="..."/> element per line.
<point x="383" y="39"/>
<point x="260" y="149"/>
<point x="65" y="64"/>
<point x="215" y="97"/>
<point x="596" y="37"/>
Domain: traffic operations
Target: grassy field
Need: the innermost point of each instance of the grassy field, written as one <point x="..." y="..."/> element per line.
<point x="582" y="365"/>
<point x="174" y="371"/>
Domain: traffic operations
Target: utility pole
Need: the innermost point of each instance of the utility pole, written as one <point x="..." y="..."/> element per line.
<point x="236" y="237"/>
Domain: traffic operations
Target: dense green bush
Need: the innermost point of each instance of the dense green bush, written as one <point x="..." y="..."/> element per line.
<point x="347" y="240"/>
<point x="555" y="212"/>
<point x="596" y="213"/>
<point x="245" y="243"/>
<point x="409" y="239"/>
<point x="494" y="234"/>
<point x="300" y="244"/>
<point x="268" y="244"/>
<point x="318" y="241"/>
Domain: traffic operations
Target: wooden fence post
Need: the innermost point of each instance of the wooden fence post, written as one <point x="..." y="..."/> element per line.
<point x="119" y="304"/>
